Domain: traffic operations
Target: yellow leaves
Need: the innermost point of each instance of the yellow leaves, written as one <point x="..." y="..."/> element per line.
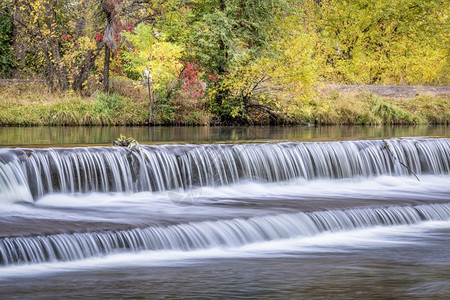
<point x="294" y="68"/>
<point x="86" y="44"/>
<point x="151" y="52"/>
<point x="383" y="42"/>
<point x="236" y="111"/>
<point x="163" y="61"/>
<point x="280" y="77"/>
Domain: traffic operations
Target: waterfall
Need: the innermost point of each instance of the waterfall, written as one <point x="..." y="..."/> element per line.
<point x="208" y="234"/>
<point x="27" y="174"/>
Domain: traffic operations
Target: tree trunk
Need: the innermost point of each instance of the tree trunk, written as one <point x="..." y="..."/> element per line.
<point x="222" y="68"/>
<point x="222" y="47"/>
<point x="50" y="72"/>
<point x="84" y="70"/>
<point x="106" y="69"/>
<point x="17" y="46"/>
<point x="151" y="102"/>
<point x="109" y="36"/>
<point x="60" y="72"/>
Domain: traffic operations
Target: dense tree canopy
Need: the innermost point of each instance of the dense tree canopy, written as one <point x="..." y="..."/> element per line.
<point x="238" y="56"/>
<point x="388" y="42"/>
<point x="6" y="35"/>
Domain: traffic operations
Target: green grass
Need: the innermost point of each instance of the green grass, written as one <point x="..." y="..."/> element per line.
<point x="33" y="109"/>
<point x="33" y="105"/>
<point x="369" y="109"/>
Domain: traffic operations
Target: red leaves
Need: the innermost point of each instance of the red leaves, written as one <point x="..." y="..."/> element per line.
<point x="212" y="77"/>
<point x="99" y="37"/>
<point x="65" y="37"/>
<point x="129" y="28"/>
<point x="190" y="80"/>
<point x="190" y="76"/>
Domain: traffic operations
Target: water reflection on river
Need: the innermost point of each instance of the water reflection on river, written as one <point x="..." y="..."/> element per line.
<point x="71" y="136"/>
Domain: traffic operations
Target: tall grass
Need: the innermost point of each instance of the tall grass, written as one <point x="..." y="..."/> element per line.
<point x="32" y="105"/>
<point x="365" y="108"/>
<point x="30" y="108"/>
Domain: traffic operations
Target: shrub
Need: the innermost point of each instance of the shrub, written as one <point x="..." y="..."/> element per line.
<point x="105" y="103"/>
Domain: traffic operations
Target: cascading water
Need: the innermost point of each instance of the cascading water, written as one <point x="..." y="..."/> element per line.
<point x="30" y="174"/>
<point x="224" y="233"/>
<point x="63" y="205"/>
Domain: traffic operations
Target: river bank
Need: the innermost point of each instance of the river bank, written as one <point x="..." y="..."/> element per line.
<point x="31" y="104"/>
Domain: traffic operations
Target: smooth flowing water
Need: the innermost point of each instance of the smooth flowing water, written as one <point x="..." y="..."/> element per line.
<point x="83" y="136"/>
<point x="293" y="217"/>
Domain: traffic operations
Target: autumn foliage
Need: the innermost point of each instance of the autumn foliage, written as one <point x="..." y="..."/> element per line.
<point x="238" y="61"/>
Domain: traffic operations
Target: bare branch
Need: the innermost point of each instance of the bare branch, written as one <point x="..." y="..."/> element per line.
<point x="388" y="147"/>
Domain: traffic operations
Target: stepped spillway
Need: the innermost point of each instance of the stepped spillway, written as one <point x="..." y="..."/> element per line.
<point x="29" y="174"/>
<point x="71" y="204"/>
<point x="204" y="235"/>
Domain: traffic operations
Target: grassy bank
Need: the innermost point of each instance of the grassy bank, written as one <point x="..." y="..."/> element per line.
<point x="365" y="108"/>
<point x="33" y="105"/>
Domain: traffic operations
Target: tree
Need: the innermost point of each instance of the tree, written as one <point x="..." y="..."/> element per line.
<point x="60" y="34"/>
<point x="278" y="79"/>
<point x="226" y="35"/>
<point x="68" y="36"/>
<point x="384" y="42"/>
<point x="151" y="52"/>
<point x="6" y="38"/>
<point x="240" y="47"/>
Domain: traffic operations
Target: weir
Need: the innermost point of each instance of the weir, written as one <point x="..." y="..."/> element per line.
<point x="28" y="174"/>
<point x="202" y="235"/>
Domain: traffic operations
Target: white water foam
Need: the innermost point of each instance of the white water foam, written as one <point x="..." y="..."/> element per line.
<point x="345" y="241"/>
<point x="430" y="187"/>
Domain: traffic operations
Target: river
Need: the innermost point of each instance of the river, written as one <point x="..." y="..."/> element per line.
<point x="225" y="212"/>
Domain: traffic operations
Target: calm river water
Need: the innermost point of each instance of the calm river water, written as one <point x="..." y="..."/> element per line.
<point x="75" y="136"/>
<point x="220" y="213"/>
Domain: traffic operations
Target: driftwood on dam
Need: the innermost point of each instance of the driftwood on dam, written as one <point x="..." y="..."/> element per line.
<point x="130" y="143"/>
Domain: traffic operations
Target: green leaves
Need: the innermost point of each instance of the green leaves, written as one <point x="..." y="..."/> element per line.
<point x="264" y="55"/>
<point x="150" y="51"/>
<point x="6" y="30"/>
<point x="213" y="41"/>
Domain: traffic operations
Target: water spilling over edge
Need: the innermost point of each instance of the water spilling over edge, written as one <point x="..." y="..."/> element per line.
<point x="29" y="174"/>
<point x="209" y="234"/>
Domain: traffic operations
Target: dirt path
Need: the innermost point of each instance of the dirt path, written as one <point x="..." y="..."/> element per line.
<point x="400" y="91"/>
